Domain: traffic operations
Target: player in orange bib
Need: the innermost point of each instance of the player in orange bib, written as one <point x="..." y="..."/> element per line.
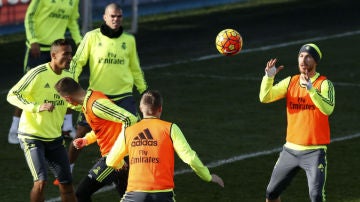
<point x="310" y="99"/>
<point x="106" y="120"/>
<point x="151" y="144"/>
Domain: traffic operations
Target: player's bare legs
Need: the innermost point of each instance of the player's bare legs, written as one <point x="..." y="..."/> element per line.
<point x="276" y="200"/>
<point x="17" y="112"/>
<point x="73" y="152"/>
<point x="67" y="193"/>
<point x="37" y="192"/>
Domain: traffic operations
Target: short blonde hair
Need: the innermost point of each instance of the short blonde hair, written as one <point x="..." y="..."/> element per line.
<point x="151" y="101"/>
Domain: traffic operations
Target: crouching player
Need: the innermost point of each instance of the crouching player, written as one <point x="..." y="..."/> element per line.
<point x="106" y="120"/>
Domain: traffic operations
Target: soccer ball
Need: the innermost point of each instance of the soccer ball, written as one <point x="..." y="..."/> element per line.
<point x="228" y="42"/>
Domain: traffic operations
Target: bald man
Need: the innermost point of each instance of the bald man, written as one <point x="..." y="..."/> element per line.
<point x="114" y="66"/>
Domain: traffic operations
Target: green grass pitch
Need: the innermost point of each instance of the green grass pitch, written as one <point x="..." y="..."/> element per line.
<point x="215" y="101"/>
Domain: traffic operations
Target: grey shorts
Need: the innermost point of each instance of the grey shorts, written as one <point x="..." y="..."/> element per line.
<point x="313" y="162"/>
<point x="41" y="154"/>
<point x="148" y="197"/>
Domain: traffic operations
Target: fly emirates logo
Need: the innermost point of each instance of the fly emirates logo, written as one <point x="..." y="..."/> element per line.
<point x="144" y="140"/>
<point x="111" y="58"/>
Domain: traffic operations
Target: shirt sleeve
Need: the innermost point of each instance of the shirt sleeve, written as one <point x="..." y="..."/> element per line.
<point x="75" y="107"/>
<point x="73" y="24"/>
<point x="138" y="74"/>
<point x="20" y="95"/>
<point x="270" y="92"/>
<point x="325" y="99"/>
<point x="186" y="154"/>
<point x="106" y="109"/>
<point x="115" y="158"/>
<point x="81" y="57"/>
<point x="29" y="22"/>
<point x="90" y="137"/>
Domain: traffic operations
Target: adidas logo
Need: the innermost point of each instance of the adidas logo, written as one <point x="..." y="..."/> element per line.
<point x="144" y="139"/>
<point x="321" y="167"/>
<point x="47" y="85"/>
<point x="96" y="170"/>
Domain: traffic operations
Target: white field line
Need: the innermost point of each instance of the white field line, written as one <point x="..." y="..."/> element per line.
<point x="230" y="160"/>
<point x="251" y="50"/>
<point x="257" y="154"/>
<point x="245" y="78"/>
<point x="263" y="48"/>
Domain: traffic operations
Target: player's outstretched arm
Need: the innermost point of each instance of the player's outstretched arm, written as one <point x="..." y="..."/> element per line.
<point x="271" y="70"/>
<point x="216" y="179"/>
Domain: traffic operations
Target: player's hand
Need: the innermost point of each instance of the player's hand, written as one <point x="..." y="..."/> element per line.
<point x="79" y="143"/>
<point x="46" y="107"/>
<point x="125" y="166"/>
<point x="270" y="69"/>
<point x="217" y="179"/>
<point x="35" y="50"/>
<point x="305" y="80"/>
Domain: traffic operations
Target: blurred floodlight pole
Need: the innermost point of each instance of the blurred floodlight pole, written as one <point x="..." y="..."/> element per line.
<point x="134" y="17"/>
<point x="86" y="16"/>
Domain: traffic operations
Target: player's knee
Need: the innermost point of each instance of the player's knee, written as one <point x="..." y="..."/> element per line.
<point x="83" y="191"/>
<point x="82" y="194"/>
<point x="316" y="196"/>
<point x="39" y="186"/>
<point x="272" y="194"/>
<point x="67" y="190"/>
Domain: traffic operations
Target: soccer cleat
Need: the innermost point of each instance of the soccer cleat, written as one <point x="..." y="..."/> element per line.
<point x="56" y="182"/>
<point x="12" y="137"/>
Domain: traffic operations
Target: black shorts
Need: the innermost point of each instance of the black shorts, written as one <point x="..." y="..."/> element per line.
<point x="41" y="154"/>
<point x="102" y="173"/>
<point x="31" y="62"/>
<point x="127" y="103"/>
<point x="148" y="196"/>
<point x="99" y="176"/>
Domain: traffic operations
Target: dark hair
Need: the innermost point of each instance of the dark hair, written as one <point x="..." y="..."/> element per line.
<point x="67" y="86"/>
<point x="60" y="42"/>
<point x="151" y="101"/>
